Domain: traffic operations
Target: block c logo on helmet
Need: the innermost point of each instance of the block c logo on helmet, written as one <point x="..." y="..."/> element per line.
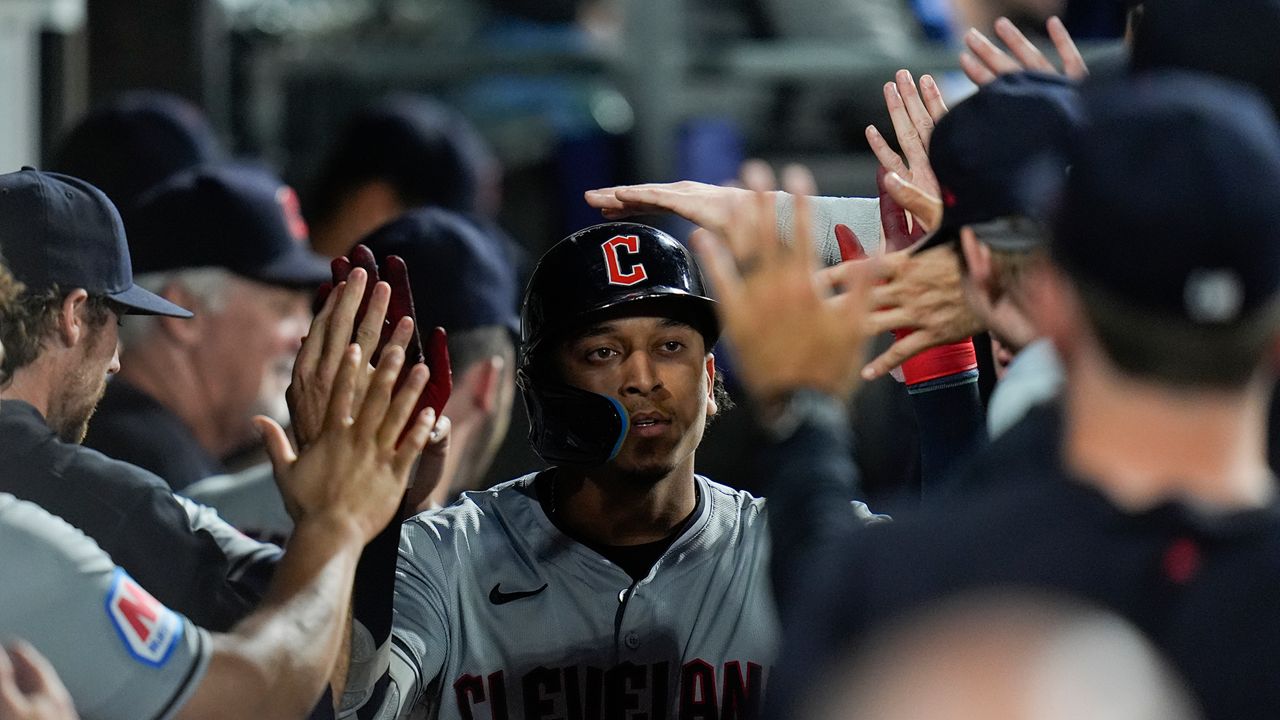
<point x="614" y="248"/>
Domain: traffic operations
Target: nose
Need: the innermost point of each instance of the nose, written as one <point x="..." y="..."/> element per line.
<point x="114" y="366"/>
<point x="640" y="375"/>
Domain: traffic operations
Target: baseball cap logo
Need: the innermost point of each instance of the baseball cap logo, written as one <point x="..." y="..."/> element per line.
<point x="621" y="253"/>
<point x="287" y="198"/>
<point x="1213" y="295"/>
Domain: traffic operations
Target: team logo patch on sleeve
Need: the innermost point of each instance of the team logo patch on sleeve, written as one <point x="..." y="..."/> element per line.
<point x="150" y="630"/>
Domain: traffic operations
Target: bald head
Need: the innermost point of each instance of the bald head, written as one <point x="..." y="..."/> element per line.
<point x="1007" y="657"/>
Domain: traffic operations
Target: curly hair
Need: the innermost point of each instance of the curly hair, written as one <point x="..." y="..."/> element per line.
<point x="28" y="319"/>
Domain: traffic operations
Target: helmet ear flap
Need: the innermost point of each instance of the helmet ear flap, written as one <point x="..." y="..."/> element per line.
<point x="571" y="426"/>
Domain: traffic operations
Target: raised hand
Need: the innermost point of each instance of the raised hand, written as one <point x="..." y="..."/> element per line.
<point x="914" y="114"/>
<point x="708" y="206"/>
<point x="984" y="61"/>
<point x="918" y="297"/>
<point x="786" y="332"/>
<point x="356" y="469"/>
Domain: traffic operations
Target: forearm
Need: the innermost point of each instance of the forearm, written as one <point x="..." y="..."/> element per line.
<point x="276" y="662"/>
<point x="811" y="479"/>
<point x="862" y="215"/>
<point x="951" y="424"/>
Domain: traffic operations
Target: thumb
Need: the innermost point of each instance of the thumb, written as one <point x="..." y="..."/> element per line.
<point x="279" y="451"/>
<point x="926" y="208"/>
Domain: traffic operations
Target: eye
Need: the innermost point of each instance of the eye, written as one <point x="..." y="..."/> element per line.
<point x="673" y="346"/>
<point x="601" y="354"/>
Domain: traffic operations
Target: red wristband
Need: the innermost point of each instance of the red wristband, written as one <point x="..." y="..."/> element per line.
<point x="950" y="359"/>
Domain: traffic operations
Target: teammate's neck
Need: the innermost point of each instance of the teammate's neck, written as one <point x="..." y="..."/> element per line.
<point x="1142" y="444"/>
<point x="609" y="510"/>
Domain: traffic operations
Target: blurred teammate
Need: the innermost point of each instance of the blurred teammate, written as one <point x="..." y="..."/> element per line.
<point x="1160" y="505"/>
<point x="228" y="242"/>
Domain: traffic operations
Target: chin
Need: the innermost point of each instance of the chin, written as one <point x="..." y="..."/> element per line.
<point x="646" y="475"/>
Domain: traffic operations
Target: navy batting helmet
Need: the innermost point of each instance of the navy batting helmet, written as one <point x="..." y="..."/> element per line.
<point x="609" y="270"/>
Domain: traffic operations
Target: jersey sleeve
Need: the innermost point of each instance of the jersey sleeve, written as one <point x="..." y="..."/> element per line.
<point x="389" y="681"/>
<point x="120" y="652"/>
<point x="862" y="215"/>
<point x="250" y="564"/>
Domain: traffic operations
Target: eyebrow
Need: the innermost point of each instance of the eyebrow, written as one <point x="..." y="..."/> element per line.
<point x="606" y="328"/>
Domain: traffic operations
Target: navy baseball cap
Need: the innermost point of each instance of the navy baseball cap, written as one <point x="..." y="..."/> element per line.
<point x="460" y="276"/>
<point x="1173" y="200"/>
<point x="1234" y="39"/>
<point x="426" y="150"/>
<point x="134" y="142"/>
<point x="983" y="153"/>
<point x="59" y="230"/>
<point x="232" y="216"/>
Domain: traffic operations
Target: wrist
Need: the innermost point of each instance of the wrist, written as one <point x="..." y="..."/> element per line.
<point x="787" y="411"/>
<point x="939" y="362"/>
<point x="339" y="530"/>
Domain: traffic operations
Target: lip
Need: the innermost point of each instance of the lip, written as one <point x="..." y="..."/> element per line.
<point x="649" y="424"/>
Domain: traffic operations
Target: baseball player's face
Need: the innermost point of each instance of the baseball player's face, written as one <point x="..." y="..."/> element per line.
<point x="98" y="357"/>
<point x="248" y="346"/>
<point x="660" y="371"/>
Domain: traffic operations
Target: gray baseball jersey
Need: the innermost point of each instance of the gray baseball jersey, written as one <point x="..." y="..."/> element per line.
<point x="500" y="615"/>
<point x="120" y="653"/>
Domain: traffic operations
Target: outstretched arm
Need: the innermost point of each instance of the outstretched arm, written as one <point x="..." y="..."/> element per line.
<point x="342" y="490"/>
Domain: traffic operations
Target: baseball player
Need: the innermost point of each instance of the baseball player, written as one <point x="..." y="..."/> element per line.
<point x="618" y="581"/>
<point x="123" y="654"/>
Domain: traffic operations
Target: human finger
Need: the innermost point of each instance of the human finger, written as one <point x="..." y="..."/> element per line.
<point x="973" y="69"/>
<point x="885" y="154"/>
<point x="1022" y="48"/>
<point x="314" y="343"/>
<point x="604" y="198"/>
<point x="909" y="140"/>
<point x="991" y="56"/>
<point x="667" y="200"/>
<point x="345" y="387"/>
<point x="717" y="262"/>
<point x="888" y="319"/>
<point x="914" y="105"/>
<point x="377" y="398"/>
<point x="1072" y="61"/>
<point x="798" y="181"/>
<point x="369" y="331"/>
<point x="402" y="406"/>
<point x="341" y="322"/>
<point x="899" y="352"/>
<point x="276" y="443"/>
<point x="36" y="675"/>
<point x="925" y="207"/>
<point x="932" y="95"/>
<point x="413" y="442"/>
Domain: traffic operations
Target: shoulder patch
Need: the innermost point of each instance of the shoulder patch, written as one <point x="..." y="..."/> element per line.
<point x="150" y="630"/>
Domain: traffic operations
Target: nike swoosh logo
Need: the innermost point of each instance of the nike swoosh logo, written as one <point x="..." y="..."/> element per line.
<point x="497" y="597"/>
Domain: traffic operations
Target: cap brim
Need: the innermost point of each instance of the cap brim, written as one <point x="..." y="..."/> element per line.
<point x="137" y="301"/>
<point x="298" y="268"/>
<point x="943" y="235"/>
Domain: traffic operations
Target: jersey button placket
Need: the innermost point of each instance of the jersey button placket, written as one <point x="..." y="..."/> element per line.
<point x="632" y="640"/>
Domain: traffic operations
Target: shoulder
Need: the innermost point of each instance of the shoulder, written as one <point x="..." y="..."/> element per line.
<point x="512" y="506"/>
<point x="47" y="544"/>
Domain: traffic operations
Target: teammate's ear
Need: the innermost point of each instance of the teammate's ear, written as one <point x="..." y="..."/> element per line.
<point x="977" y="261"/>
<point x="72" y="324"/>
<point x="489" y="383"/>
<point x="185" y="331"/>
<point x="712" y="407"/>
